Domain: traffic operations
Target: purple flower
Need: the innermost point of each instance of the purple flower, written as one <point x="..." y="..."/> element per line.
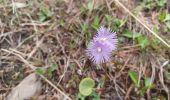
<point x="98" y="52"/>
<point x="102" y="45"/>
<point x="107" y="37"/>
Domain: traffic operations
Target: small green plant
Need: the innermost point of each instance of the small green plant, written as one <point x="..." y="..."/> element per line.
<point x="86" y="89"/>
<point x="165" y="18"/>
<point x="114" y="23"/>
<point x="167" y="21"/>
<point x="96" y="23"/>
<point x="147" y="82"/>
<point x="161" y="3"/>
<point x="148" y="4"/>
<point x="84" y="27"/>
<point x="119" y="22"/>
<point x="85" y="31"/>
<point x="134" y="77"/>
<point x="51" y="69"/>
<point x="148" y="85"/>
<point x="90" y="5"/>
<point x="139" y="38"/>
<point x="48" y="71"/>
<point x="45" y="13"/>
<point x="86" y="86"/>
<point x="93" y="95"/>
<point x="40" y="71"/>
<point x="162" y="16"/>
<point x="109" y="19"/>
<point x="143" y="41"/>
<point x="62" y="23"/>
<point x="132" y="35"/>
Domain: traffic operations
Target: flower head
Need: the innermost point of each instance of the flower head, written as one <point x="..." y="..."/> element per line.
<point x="98" y="52"/>
<point x="102" y="45"/>
<point x="107" y="37"/>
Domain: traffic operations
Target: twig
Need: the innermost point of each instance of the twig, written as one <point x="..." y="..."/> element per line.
<point x="128" y="92"/>
<point x="34" y="24"/>
<point x="142" y="23"/>
<point x="35" y="28"/>
<point x="26" y="62"/>
<point x="153" y="71"/>
<point x="13" y="7"/>
<point x="62" y="47"/>
<point x="49" y="82"/>
<point x="162" y="78"/>
<point x="125" y="64"/>
<point x="11" y="32"/>
<point x="65" y="70"/>
<point x="34" y="68"/>
<point x="36" y="47"/>
<point x="119" y="74"/>
<point x="117" y="91"/>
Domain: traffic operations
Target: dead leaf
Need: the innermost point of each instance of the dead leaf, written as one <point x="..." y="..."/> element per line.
<point x="29" y="87"/>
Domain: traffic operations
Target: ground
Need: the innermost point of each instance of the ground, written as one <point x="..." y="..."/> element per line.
<point x="49" y="38"/>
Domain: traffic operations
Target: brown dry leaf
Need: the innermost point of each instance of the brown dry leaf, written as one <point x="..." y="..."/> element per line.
<point x="29" y="87"/>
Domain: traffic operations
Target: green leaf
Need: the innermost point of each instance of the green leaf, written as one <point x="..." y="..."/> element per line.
<point x="122" y="22"/>
<point x="168" y="25"/>
<point x="42" y="18"/>
<point x="155" y="43"/>
<point x="86" y="86"/>
<point x="45" y="13"/>
<point x="117" y="22"/>
<point x="108" y="18"/>
<point x="90" y="5"/>
<point x="52" y="68"/>
<point x="40" y="71"/>
<point x="84" y="27"/>
<point x="161" y="3"/>
<point x="143" y="41"/>
<point x="95" y="96"/>
<point x="167" y="18"/>
<point x="162" y="16"/>
<point x="148" y="82"/>
<point x="167" y="75"/>
<point x="62" y="22"/>
<point x="130" y="34"/>
<point x="134" y="77"/>
<point x="96" y="23"/>
<point x="148" y="85"/>
<point x="81" y="97"/>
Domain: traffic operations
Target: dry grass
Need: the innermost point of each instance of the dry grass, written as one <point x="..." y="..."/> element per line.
<point x="27" y="43"/>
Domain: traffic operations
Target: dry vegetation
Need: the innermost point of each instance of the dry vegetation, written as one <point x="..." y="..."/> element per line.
<point x="55" y="33"/>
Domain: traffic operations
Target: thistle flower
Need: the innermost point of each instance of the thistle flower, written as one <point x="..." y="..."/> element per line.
<point x="101" y="46"/>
